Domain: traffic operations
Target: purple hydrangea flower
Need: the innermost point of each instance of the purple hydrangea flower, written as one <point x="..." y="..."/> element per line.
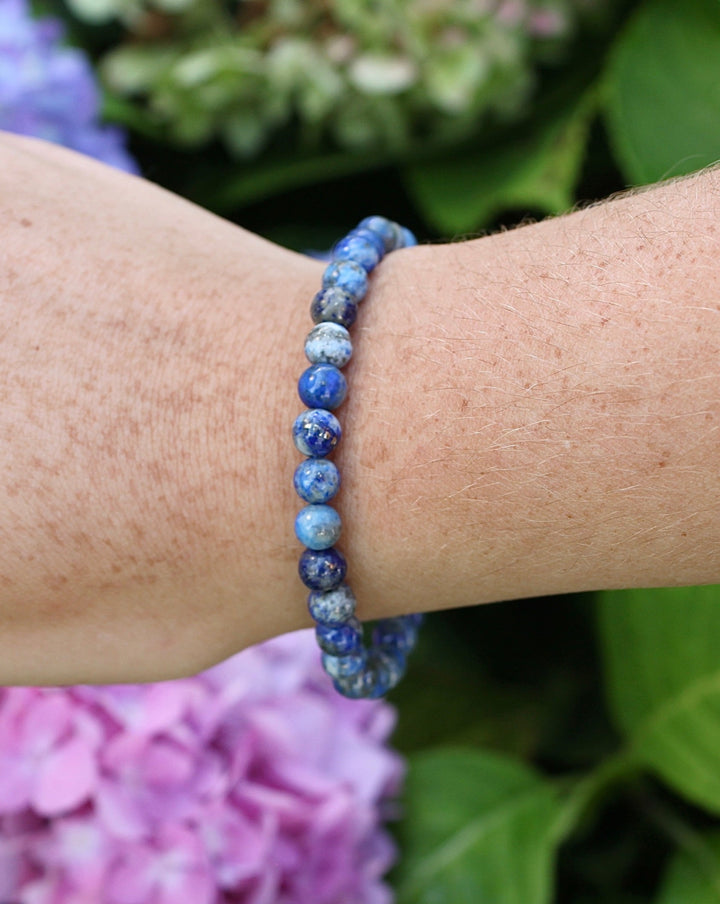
<point x="252" y="783"/>
<point x="48" y="90"/>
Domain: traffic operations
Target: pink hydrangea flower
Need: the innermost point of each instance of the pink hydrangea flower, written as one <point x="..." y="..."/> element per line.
<point x="252" y="783"/>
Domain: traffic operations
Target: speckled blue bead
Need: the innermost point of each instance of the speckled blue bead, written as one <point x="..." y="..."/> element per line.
<point x="333" y="305"/>
<point x="347" y="275"/>
<point x="328" y="343"/>
<point x="386" y="669"/>
<point x="398" y="634"/>
<point x="322" y="569"/>
<point x="318" y="526"/>
<point x="333" y="606"/>
<point x="344" y="666"/>
<point x="389" y="232"/>
<point x="316" y="432"/>
<point x="356" y="686"/>
<point x="316" y="480"/>
<point x="340" y="640"/>
<point x="357" y="248"/>
<point x="322" y="386"/>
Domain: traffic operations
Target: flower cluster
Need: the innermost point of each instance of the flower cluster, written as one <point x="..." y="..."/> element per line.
<point x="361" y="73"/>
<point x="48" y="90"/>
<point x="253" y="782"/>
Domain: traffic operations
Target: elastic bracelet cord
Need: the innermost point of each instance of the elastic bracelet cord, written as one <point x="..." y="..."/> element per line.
<point x="357" y="670"/>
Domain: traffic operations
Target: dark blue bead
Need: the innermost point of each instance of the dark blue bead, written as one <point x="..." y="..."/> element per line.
<point x="334" y="305"/>
<point x="349" y="276"/>
<point x="316" y="480"/>
<point x="322" y="386"/>
<point x="322" y="569"/>
<point x="340" y="640"/>
<point x="316" y="432"/>
<point x="357" y="248"/>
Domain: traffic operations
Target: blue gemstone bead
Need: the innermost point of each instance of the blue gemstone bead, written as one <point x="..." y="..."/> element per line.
<point x="385" y="670"/>
<point x="318" y="526"/>
<point x="316" y="432"/>
<point x="408" y="238"/>
<point x="332" y="607"/>
<point x="357" y="686"/>
<point x="340" y="640"/>
<point x="347" y="275"/>
<point x="328" y="343"/>
<point x="316" y="480"/>
<point x="359" y="249"/>
<point x="371" y="236"/>
<point x="395" y="634"/>
<point x="344" y="666"/>
<point x="322" y="569"/>
<point x="322" y="386"/>
<point x="334" y="305"/>
<point x="388" y="231"/>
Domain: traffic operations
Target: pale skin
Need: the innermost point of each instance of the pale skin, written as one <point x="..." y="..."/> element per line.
<point x="530" y="413"/>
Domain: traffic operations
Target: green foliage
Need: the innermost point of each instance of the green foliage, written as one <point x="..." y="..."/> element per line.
<point x="663" y="90"/>
<point x="663" y="673"/>
<point x="694" y="875"/>
<point x="479" y="829"/>
<point x="534" y="169"/>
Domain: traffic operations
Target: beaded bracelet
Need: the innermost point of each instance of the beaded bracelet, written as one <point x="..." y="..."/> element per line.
<point x="356" y="670"/>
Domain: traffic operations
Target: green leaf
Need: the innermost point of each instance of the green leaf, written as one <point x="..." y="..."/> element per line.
<point x="663" y="90"/>
<point x="662" y="658"/>
<point x="534" y="170"/>
<point x="479" y="828"/>
<point x="693" y="876"/>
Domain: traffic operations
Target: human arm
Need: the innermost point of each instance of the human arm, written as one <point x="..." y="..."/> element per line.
<point x="529" y="413"/>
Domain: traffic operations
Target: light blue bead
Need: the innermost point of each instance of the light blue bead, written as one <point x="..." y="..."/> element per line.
<point x="388" y="231"/>
<point x="328" y="343"/>
<point x="347" y="275"/>
<point x="332" y="606"/>
<point x="363" y="232"/>
<point x="344" y="666"/>
<point x="333" y="305"/>
<point x="316" y="480"/>
<point x="316" y="432"/>
<point x="322" y="386"/>
<point x="318" y="526"/>
<point x="359" y="249"/>
<point x="408" y="238"/>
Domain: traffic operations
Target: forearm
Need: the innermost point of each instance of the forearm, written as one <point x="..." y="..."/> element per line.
<point x="147" y="388"/>
<point x="536" y="412"/>
<point x="529" y="413"/>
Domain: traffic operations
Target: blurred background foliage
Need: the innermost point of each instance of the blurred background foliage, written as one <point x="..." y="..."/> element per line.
<point x="563" y="750"/>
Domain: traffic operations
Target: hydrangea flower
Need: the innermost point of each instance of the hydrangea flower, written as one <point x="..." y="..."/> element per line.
<point x="252" y="783"/>
<point x="361" y="74"/>
<point x="48" y="90"/>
